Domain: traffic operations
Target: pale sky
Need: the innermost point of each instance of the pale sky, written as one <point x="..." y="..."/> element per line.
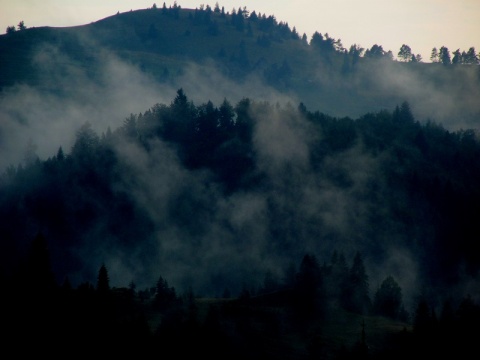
<point x="420" y="24"/>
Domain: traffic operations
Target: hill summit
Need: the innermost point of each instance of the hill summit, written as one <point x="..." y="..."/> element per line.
<point x="243" y="47"/>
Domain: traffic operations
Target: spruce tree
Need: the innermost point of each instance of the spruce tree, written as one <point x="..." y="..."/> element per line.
<point x="103" y="281"/>
<point x="388" y="299"/>
<point x="358" y="299"/>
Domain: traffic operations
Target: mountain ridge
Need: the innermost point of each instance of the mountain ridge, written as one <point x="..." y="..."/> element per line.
<point x="160" y="42"/>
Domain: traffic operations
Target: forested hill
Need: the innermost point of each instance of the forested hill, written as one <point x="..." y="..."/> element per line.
<point x="243" y="52"/>
<point x="217" y="196"/>
<point x="304" y="227"/>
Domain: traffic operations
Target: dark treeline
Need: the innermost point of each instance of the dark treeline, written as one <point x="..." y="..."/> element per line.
<point x="272" y="30"/>
<point x="285" y="319"/>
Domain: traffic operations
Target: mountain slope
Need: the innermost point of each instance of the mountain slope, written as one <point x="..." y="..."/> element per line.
<point x="163" y="42"/>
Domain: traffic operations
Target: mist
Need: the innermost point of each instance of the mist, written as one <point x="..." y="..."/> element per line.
<point x="446" y="95"/>
<point x="51" y="118"/>
<point x="200" y="238"/>
<point x="48" y="118"/>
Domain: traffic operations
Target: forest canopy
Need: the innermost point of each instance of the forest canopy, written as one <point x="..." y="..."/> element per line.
<point x="195" y="184"/>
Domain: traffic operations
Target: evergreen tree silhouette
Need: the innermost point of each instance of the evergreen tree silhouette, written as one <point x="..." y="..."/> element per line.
<point x="357" y="298"/>
<point x="165" y="296"/>
<point x="103" y="281"/>
<point x="308" y="286"/>
<point x="338" y="278"/>
<point x="388" y="299"/>
<point x="422" y="322"/>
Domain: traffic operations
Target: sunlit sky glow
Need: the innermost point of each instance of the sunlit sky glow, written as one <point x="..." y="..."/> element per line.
<point x="421" y="24"/>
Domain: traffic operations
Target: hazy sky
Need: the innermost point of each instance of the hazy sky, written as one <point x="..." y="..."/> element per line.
<point x="421" y="24"/>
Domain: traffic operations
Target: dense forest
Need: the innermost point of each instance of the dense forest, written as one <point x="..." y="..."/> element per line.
<point x="239" y="226"/>
<point x="318" y="311"/>
<point x="168" y="195"/>
<point x="279" y="179"/>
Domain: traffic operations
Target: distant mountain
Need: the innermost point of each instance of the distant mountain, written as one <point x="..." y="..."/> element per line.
<point x="242" y="48"/>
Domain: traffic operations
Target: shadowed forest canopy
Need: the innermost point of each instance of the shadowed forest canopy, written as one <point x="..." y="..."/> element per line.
<point x="215" y="196"/>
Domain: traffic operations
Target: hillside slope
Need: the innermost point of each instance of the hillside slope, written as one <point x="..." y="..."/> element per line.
<point x="163" y="43"/>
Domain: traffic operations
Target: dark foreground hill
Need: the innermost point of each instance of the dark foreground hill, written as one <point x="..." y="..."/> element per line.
<point x="279" y="324"/>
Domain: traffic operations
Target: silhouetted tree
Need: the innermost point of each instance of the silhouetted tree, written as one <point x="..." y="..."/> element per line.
<point x="86" y="144"/>
<point x="177" y="121"/>
<point x="21" y="26"/>
<point x="375" y="52"/>
<point x="423" y="321"/>
<point x="325" y="44"/>
<point x="165" y="296"/>
<point x="434" y="56"/>
<point x="60" y="154"/>
<point x="388" y="299"/>
<point x="357" y="297"/>
<point x="338" y="277"/>
<point x="129" y="128"/>
<point x="471" y="57"/>
<point x="304" y="38"/>
<point x="444" y="56"/>
<point x="226" y="123"/>
<point x="403" y="114"/>
<point x="308" y="286"/>
<point x="103" y="281"/>
<point x="206" y="136"/>
<point x="244" y="123"/>
<point x="417" y="58"/>
<point x="405" y="53"/>
<point x="457" y="57"/>
<point x="355" y="52"/>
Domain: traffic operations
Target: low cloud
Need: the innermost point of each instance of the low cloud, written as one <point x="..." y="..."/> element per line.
<point x="199" y="236"/>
